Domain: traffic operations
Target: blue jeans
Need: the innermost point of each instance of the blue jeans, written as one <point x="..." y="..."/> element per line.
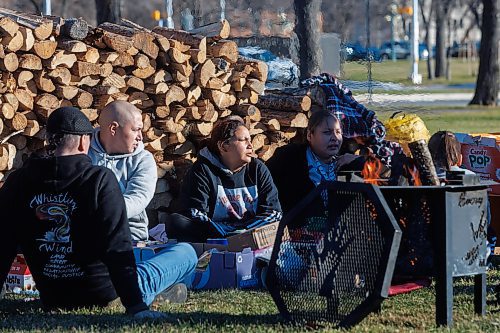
<point x="172" y="265"/>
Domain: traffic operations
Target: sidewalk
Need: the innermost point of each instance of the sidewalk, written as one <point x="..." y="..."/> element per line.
<point x="438" y="99"/>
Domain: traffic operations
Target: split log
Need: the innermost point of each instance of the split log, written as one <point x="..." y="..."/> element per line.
<point x="32" y="127"/>
<point x="114" y="80"/>
<point x="25" y="99"/>
<point x="169" y="125"/>
<point x="43" y="82"/>
<point x="217" y="30"/>
<point x="298" y="120"/>
<point x="423" y="160"/>
<point x="220" y="99"/>
<point x="258" y="69"/>
<point x="141" y="40"/>
<point x="8" y="27"/>
<point x="134" y="83"/>
<point x="256" y="85"/>
<point x="22" y="78"/>
<point x="226" y="49"/>
<point x="10" y="62"/>
<point x="90" y="55"/>
<point x="92" y="114"/>
<point x="285" y="103"/>
<point x="45" y="48"/>
<point x="18" y="122"/>
<point x="60" y="75"/>
<point x="199" y="129"/>
<point x="83" y="99"/>
<point x="61" y="58"/>
<point x="259" y="141"/>
<point x="174" y="94"/>
<point x="66" y="92"/>
<point x="7" y="155"/>
<point x="72" y="46"/>
<point x="162" y="111"/>
<point x="28" y="38"/>
<point x="30" y="61"/>
<point x="14" y="43"/>
<point x="7" y="111"/>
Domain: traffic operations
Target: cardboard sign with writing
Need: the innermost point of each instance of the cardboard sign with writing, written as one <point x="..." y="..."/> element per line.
<point x="255" y="239"/>
<point x="481" y="154"/>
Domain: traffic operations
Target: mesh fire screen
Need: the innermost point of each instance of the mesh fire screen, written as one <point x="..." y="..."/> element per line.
<point x="415" y="210"/>
<point x="334" y="255"/>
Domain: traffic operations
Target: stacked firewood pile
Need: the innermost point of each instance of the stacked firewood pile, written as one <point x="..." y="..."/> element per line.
<point x="182" y="81"/>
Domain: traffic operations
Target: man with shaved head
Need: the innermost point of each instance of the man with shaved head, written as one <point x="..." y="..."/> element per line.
<point x="117" y="145"/>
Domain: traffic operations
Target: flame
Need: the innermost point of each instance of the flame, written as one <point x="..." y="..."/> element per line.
<point x="372" y="170"/>
<point x="415" y="175"/>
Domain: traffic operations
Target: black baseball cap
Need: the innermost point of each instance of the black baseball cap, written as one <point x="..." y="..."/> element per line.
<point x="69" y="120"/>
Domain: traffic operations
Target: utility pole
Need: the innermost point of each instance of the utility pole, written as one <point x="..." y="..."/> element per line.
<point x="47" y="7"/>
<point x="170" y="13"/>
<point x="416" y="78"/>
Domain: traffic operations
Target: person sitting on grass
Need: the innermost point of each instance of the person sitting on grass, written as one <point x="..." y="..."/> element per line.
<point x="117" y="145"/>
<point x="446" y="153"/>
<point x="298" y="168"/>
<point x="69" y="219"/>
<point x="226" y="190"/>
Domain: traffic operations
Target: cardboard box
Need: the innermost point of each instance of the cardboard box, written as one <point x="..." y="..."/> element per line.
<point x="228" y="270"/>
<point x="145" y="250"/>
<point x="20" y="276"/>
<point x="481" y="154"/>
<point x="255" y="239"/>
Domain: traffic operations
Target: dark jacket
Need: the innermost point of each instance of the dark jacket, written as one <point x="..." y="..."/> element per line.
<point x="229" y="201"/>
<point x="69" y="219"/>
<point x="290" y="173"/>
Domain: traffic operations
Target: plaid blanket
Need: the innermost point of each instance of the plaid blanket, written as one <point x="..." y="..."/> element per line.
<point x="356" y="119"/>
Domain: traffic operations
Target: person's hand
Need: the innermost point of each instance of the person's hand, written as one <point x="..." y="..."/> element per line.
<point x="149" y="314"/>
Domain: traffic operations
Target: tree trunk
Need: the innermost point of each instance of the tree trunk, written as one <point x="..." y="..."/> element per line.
<point x="488" y="77"/>
<point x="426" y="20"/>
<point x="308" y="32"/>
<point x="440" y="69"/>
<point x="108" y="11"/>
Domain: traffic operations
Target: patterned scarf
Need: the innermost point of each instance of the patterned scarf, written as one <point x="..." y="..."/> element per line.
<point x="320" y="172"/>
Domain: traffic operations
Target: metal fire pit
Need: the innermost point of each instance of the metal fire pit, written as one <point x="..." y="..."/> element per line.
<point x="444" y="235"/>
<point x="334" y="264"/>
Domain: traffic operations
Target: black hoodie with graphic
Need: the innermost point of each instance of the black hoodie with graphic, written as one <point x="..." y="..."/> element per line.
<point x="229" y="201"/>
<point x="69" y="219"/>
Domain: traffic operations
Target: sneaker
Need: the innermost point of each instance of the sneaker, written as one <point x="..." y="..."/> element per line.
<point x="176" y="293"/>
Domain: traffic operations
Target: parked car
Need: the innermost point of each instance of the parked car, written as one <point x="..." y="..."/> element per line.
<point x="356" y="52"/>
<point x="402" y="50"/>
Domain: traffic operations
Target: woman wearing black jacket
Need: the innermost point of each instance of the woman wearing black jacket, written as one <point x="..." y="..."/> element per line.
<point x="298" y="168"/>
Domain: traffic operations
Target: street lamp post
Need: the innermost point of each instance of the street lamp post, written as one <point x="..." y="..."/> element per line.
<point x="47" y="7"/>
<point x="170" y="12"/>
<point x="416" y="78"/>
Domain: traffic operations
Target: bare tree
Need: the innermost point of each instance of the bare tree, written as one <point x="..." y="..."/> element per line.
<point x="442" y="11"/>
<point x="308" y="34"/>
<point x="426" y="19"/>
<point x="108" y="11"/>
<point x="488" y="76"/>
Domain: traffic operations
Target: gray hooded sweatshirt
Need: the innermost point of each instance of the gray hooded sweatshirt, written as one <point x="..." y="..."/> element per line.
<point x="136" y="175"/>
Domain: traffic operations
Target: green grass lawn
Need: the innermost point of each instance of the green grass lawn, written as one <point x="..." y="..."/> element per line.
<point x="465" y="120"/>
<point x="254" y="311"/>
<point x="398" y="72"/>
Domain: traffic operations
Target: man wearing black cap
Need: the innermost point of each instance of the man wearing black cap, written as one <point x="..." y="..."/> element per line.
<point x="69" y="219"/>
